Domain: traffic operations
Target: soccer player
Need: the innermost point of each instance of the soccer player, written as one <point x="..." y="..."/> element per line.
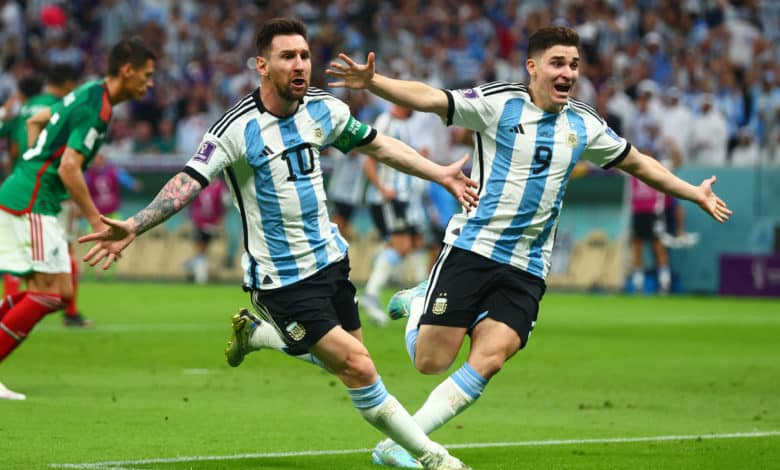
<point x="61" y="79"/>
<point x="295" y="260"/>
<point x="388" y="199"/>
<point x="490" y="276"/>
<point x="13" y="129"/>
<point x="66" y="137"/>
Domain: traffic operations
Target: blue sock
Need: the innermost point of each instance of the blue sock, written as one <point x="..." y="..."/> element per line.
<point x="368" y="397"/>
<point x="469" y="381"/>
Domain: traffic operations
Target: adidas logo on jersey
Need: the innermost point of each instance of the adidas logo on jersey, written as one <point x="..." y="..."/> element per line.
<point x="518" y="129"/>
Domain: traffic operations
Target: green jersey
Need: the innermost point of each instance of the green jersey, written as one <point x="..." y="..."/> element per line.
<point x="15" y="129"/>
<point x="79" y="121"/>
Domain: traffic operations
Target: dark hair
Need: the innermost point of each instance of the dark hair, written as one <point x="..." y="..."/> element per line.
<point x="278" y="27"/>
<point x="550" y="36"/>
<point x="129" y="51"/>
<point x="31" y="85"/>
<point x="59" y="74"/>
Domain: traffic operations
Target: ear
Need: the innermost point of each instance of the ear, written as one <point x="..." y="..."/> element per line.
<point x="261" y="66"/>
<point x="126" y="70"/>
<point x="530" y="67"/>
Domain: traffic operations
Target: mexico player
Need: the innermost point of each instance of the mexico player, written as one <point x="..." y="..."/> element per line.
<point x="66" y="137"/>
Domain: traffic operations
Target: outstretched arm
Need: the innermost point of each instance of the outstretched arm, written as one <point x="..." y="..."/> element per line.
<point x="397" y="154"/>
<point x="173" y="197"/>
<point x="656" y="175"/>
<point x="409" y="94"/>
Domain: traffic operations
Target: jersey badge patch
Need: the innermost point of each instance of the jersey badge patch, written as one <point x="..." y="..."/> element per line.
<point x="318" y="132"/>
<point x="205" y="151"/>
<point x="571" y="139"/>
<point x="468" y="93"/>
<point x="612" y="134"/>
<point x="296" y="331"/>
<point x="440" y="304"/>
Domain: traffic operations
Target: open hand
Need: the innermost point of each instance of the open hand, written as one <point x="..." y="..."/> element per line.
<point x="460" y="185"/>
<point x="110" y="242"/>
<point x="711" y="203"/>
<point x="351" y="75"/>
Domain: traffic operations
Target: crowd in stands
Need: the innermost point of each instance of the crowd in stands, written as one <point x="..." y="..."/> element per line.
<point x="709" y="70"/>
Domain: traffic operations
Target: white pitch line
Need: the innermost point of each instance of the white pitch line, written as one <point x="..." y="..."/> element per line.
<point x="139" y="328"/>
<point x="476" y="445"/>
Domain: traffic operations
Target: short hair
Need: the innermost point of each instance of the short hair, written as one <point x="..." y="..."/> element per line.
<point x="278" y="27"/>
<point x="550" y="36"/>
<point x="59" y="74"/>
<point x="128" y="51"/>
<point x="31" y="85"/>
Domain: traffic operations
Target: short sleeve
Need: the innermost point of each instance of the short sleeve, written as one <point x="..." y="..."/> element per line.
<point x="606" y="149"/>
<point x="214" y="154"/>
<point x="470" y="108"/>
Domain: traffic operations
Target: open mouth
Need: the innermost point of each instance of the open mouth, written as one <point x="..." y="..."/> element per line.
<point x="563" y="88"/>
<point x="299" y="82"/>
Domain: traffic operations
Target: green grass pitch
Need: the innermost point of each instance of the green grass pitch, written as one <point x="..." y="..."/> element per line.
<point x="607" y="382"/>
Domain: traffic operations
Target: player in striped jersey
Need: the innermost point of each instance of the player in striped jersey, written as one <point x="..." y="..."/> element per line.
<point x="489" y="279"/>
<point x="388" y="198"/>
<point x="67" y="136"/>
<point x="296" y="265"/>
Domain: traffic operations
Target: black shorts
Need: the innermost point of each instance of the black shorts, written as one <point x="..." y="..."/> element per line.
<point x="390" y="217"/>
<point x="466" y="287"/>
<point x="343" y="209"/>
<point x="305" y="311"/>
<point x="203" y="236"/>
<point x="646" y="225"/>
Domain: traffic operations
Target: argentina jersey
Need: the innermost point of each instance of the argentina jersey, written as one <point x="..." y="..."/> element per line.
<point x="388" y="176"/>
<point x="523" y="157"/>
<point x="272" y="165"/>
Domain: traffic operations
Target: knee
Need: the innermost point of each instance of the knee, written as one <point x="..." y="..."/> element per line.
<point x="488" y="366"/>
<point x="430" y="365"/>
<point x="358" y="369"/>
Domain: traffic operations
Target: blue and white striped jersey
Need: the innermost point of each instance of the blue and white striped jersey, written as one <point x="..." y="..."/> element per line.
<point x="523" y="157"/>
<point x="388" y="176"/>
<point x="272" y="165"/>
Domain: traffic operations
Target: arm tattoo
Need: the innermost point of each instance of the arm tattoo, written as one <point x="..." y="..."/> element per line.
<point x="177" y="193"/>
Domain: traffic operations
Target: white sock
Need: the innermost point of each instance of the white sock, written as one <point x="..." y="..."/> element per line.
<point x="200" y="269"/>
<point x="413" y="324"/>
<point x="456" y="393"/>
<point x="386" y="261"/>
<point x="266" y="336"/>
<point x="665" y="278"/>
<point x="638" y="280"/>
<point x="389" y="416"/>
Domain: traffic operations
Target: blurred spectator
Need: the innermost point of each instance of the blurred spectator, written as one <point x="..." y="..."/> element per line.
<point x="206" y="213"/>
<point x="709" y="140"/>
<point x="746" y="152"/>
<point x="143" y="138"/>
<point x="193" y="124"/>
<point x="727" y="48"/>
<point x="165" y="140"/>
<point x="676" y="120"/>
<point x="105" y="182"/>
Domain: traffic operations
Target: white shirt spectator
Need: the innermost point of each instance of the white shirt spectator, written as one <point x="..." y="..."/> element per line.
<point x="709" y="138"/>
<point x="747" y="152"/>
<point x="676" y="119"/>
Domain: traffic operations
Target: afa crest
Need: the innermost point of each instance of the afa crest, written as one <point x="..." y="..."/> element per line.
<point x="571" y="139"/>
<point x="296" y="331"/>
<point x="318" y="132"/>
<point x="440" y="304"/>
